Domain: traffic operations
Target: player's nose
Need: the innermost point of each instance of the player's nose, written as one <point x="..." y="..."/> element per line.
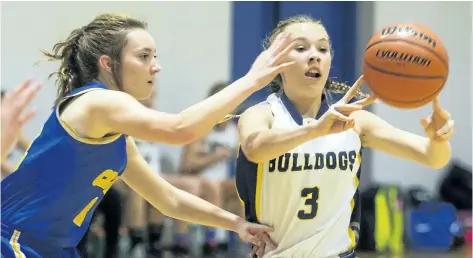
<point x="156" y="68"/>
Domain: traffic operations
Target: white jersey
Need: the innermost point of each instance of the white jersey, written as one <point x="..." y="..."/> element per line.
<point x="150" y="152"/>
<point x="228" y="137"/>
<point x="305" y="194"/>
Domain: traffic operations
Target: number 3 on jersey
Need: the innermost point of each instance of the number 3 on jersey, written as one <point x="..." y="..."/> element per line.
<point x="311" y="196"/>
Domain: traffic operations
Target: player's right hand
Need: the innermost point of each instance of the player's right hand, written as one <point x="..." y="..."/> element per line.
<point x="337" y="119"/>
<point x="272" y="61"/>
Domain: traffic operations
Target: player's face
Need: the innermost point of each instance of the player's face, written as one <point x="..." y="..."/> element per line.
<point x="139" y="65"/>
<point x="313" y="59"/>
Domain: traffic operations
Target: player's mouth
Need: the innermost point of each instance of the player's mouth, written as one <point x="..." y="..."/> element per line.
<point x="313" y="74"/>
<point x="151" y="83"/>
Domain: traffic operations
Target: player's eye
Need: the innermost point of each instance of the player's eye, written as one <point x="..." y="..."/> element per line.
<point x="323" y="50"/>
<point x="300" y="48"/>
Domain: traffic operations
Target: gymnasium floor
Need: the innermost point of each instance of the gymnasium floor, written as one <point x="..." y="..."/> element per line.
<point x="460" y="254"/>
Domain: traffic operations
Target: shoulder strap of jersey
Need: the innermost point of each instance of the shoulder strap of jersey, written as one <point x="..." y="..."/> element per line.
<point x="91" y="86"/>
<point x="94" y="85"/>
<point x="277" y="108"/>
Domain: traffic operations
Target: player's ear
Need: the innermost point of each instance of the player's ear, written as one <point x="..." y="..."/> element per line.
<point x="105" y="63"/>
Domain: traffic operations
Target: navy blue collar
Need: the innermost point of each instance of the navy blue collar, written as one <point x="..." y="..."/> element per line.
<point x="89" y="85"/>
<point x="296" y="115"/>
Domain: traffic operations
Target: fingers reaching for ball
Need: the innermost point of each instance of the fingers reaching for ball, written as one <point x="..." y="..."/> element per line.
<point x="352" y="92"/>
<point x="438" y="110"/>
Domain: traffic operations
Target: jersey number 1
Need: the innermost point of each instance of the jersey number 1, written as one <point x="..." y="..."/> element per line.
<point x="312" y="198"/>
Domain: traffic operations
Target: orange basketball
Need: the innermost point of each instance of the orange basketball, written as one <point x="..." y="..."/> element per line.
<point x="405" y="65"/>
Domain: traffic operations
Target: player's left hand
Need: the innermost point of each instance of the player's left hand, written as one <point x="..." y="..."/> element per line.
<point x="439" y="126"/>
<point x="256" y="234"/>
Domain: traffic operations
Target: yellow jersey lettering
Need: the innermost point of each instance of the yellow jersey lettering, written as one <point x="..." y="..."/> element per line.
<point x="81" y="216"/>
<point x="105" y="180"/>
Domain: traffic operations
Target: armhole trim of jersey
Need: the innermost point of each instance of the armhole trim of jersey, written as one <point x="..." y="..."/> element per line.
<point x="70" y="130"/>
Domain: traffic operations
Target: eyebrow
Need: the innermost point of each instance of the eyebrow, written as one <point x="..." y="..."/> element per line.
<point x="305" y="39"/>
<point x="146" y="49"/>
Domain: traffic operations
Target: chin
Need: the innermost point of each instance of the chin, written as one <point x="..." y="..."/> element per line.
<point x="143" y="94"/>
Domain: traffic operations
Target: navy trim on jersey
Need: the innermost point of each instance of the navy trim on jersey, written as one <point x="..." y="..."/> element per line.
<point x="349" y="254"/>
<point x="246" y="178"/>
<point x="90" y="85"/>
<point x="324" y="105"/>
<point x="296" y="115"/>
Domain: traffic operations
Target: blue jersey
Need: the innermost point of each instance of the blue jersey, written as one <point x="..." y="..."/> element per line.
<point x="60" y="181"/>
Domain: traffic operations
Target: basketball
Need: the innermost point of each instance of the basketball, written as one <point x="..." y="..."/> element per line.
<point x="405" y="65"/>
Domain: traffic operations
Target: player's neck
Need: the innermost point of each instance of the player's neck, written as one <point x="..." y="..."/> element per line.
<point x="107" y="81"/>
<point x="307" y="106"/>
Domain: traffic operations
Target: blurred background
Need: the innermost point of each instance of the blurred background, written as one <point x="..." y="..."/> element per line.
<point x="204" y="45"/>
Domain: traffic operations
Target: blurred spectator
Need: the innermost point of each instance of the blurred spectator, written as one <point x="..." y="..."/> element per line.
<point x="211" y="158"/>
<point x="141" y="214"/>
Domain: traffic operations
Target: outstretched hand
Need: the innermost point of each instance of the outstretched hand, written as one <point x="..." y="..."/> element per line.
<point x="272" y="61"/>
<point x="337" y="119"/>
<point x="256" y="234"/>
<point x="439" y="126"/>
<point x="13" y="114"/>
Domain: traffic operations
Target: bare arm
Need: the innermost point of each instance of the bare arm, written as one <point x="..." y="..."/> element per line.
<point x="194" y="158"/>
<point x="260" y="143"/>
<point x="170" y="200"/>
<point x="6" y="168"/>
<point x="378" y="134"/>
<point x="118" y="112"/>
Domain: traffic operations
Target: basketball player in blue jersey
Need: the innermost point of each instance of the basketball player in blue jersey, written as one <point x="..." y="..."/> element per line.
<point x="299" y="164"/>
<point x="86" y="144"/>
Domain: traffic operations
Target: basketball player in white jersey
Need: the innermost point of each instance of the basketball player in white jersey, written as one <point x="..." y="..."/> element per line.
<point x="298" y="167"/>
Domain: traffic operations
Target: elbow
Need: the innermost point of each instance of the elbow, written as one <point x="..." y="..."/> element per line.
<point x="181" y="132"/>
<point x="253" y="157"/>
<point x="441" y="159"/>
<point x="184" y="135"/>
<point x="253" y="152"/>
<point x="439" y="162"/>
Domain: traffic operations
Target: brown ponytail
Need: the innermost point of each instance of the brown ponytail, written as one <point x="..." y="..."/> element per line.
<point x="68" y="75"/>
<point x="80" y="52"/>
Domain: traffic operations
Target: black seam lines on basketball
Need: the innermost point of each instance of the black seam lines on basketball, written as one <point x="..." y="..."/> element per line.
<point x="404" y="101"/>
<point x="429" y="77"/>
<point x="444" y="62"/>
